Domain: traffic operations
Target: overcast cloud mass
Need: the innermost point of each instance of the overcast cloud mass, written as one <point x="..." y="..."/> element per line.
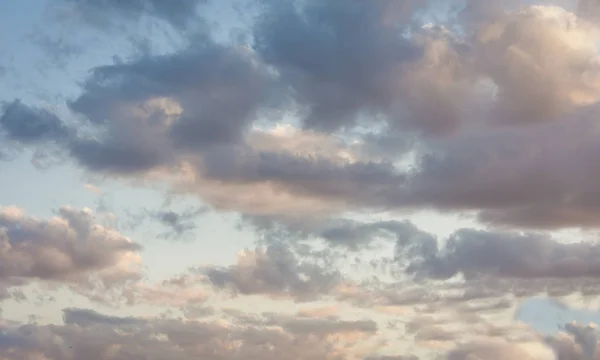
<point x="299" y="179"/>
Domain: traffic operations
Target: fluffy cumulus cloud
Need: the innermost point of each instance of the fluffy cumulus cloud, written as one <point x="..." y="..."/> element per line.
<point x="71" y="248"/>
<point x="336" y="133"/>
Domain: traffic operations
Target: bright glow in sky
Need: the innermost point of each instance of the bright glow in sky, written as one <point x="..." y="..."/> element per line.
<point x="299" y="179"/>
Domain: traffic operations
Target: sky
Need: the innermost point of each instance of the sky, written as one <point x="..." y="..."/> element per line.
<point x="299" y="179"/>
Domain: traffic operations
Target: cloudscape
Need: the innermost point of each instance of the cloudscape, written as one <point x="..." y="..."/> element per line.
<point x="299" y="179"/>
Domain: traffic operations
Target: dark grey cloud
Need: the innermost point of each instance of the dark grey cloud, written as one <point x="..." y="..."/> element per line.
<point x="345" y="182"/>
<point x="537" y="177"/>
<point x="341" y="59"/>
<point x="154" y="110"/>
<point x="199" y="97"/>
<point x="113" y="156"/>
<point x="87" y="317"/>
<point x="29" y="125"/>
<point x="355" y="234"/>
<point x="342" y="233"/>
<point x="476" y="254"/>
<point x="275" y="271"/>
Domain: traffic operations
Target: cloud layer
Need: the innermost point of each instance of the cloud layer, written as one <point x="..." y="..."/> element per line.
<point x="322" y="127"/>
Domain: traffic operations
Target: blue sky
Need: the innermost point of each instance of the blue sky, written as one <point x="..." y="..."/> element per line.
<point x="299" y="180"/>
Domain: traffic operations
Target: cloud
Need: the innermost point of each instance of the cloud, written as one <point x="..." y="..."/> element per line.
<point x="482" y="253"/>
<point x="319" y="312"/>
<point x="585" y="337"/>
<point x="186" y="292"/>
<point x="340" y="74"/>
<point x="276" y="272"/>
<point x="94" y="336"/>
<point x="502" y="350"/>
<point x="29" y="125"/>
<point x="179" y="223"/>
<point x="393" y="357"/>
<point x="193" y="115"/>
<point x="529" y="88"/>
<point x="71" y="249"/>
<point x="328" y="119"/>
<point x="86" y="317"/>
<point x="197" y="98"/>
<point x="320" y="326"/>
<point x="569" y="345"/>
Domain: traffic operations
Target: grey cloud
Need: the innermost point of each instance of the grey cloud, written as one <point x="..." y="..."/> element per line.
<point x="586" y="337"/>
<point x="93" y="337"/>
<point x="58" y="49"/>
<point x="342" y="59"/>
<point x="210" y="94"/>
<point x="180" y="223"/>
<point x="354" y="234"/>
<point x="113" y="156"/>
<point x="321" y="326"/>
<point x="430" y="81"/>
<point x="418" y="323"/>
<point x="29" y="125"/>
<point x="589" y="9"/>
<point x="435" y="333"/>
<point x="154" y="110"/>
<point x="344" y="233"/>
<point x="495" y="305"/>
<point x="393" y="357"/>
<point x="510" y="255"/>
<point x="536" y="177"/>
<point x="86" y="317"/>
<point x="276" y="271"/>
<point x="196" y="312"/>
<point x="346" y="182"/>
<point x="388" y="74"/>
